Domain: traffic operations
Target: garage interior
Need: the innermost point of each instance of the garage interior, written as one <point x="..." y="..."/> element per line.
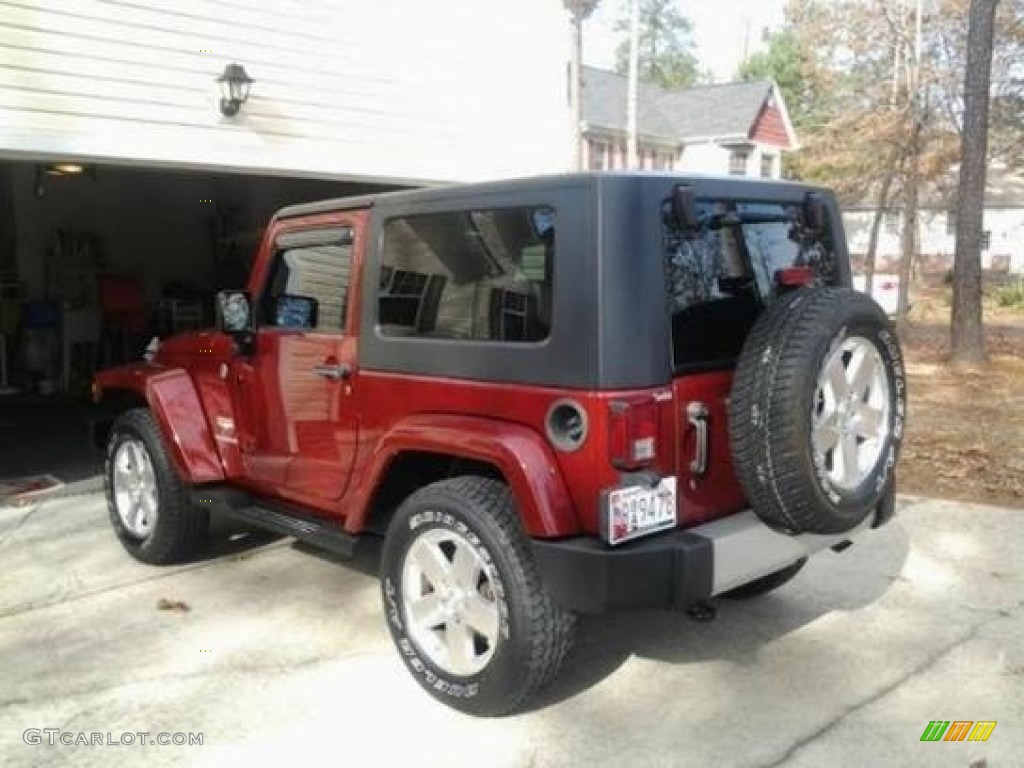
<point x="95" y="260"/>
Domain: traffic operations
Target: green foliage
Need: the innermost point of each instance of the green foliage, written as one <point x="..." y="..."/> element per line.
<point x="783" y="63"/>
<point x="666" y="46"/>
<point x="581" y="8"/>
<point x="1011" y="295"/>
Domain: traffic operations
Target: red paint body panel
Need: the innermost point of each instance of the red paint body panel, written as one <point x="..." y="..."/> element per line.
<point x="717" y="493"/>
<point x="172" y="396"/>
<point x="206" y="354"/>
<point x="176" y="405"/>
<point x="387" y="400"/>
<point x="524" y="459"/>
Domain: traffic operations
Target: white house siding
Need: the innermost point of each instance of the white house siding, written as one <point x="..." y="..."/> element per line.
<point x="704" y="158"/>
<point x="386" y="90"/>
<point x="1007" y="228"/>
<point x="1006" y="249"/>
<point x="713" y="158"/>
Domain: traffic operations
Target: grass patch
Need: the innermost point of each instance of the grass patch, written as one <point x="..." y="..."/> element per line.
<point x="1011" y="295"/>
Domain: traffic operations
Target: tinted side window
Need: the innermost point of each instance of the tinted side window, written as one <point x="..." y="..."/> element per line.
<point x="472" y="275"/>
<point x="310" y="264"/>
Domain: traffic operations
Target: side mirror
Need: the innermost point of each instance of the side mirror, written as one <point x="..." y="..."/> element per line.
<point x="815" y="213"/>
<point x="291" y="311"/>
<point x="234" y="313"/>
<point x="684" y="207"/>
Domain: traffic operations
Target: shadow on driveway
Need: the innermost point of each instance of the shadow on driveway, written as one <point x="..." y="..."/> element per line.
<point x="741" y="627"/>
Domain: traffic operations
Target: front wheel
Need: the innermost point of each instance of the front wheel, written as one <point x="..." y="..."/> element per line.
<point x="149" y="506"/>
<point x="464" y="600"/>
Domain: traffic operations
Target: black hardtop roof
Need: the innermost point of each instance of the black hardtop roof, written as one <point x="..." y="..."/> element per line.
<point x="755" y="186"/>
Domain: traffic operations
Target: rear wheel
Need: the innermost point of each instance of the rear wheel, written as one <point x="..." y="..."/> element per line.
<point x="148" y="503"/>
<point x="464" y="601"/>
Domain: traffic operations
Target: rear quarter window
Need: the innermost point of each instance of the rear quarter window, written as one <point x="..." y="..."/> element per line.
<point x="482" y="275"/>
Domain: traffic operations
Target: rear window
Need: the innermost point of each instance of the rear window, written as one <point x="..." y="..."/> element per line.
<point x="483" y="275"/>
<point x="719" y="278"/>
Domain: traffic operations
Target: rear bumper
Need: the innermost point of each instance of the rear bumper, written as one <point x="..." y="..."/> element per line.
<point x="679" y="568"/>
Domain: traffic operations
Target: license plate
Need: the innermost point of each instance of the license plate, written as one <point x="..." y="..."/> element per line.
<point x="636" y="510"/>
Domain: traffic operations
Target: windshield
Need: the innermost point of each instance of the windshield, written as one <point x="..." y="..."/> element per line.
<point x="719" y="278"/>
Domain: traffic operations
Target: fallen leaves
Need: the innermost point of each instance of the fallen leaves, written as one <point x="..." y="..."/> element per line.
<point x="163" y="604"/>
<point x="965" y="427"/>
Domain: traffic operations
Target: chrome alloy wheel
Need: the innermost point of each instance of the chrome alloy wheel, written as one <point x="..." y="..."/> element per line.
<point x="851" y="416"/>
<point x="135" y="490"/>
<point x="449" y="602"/>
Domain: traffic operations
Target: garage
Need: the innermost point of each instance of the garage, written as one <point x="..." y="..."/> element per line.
<point x="105" y="258"/>
<point x="96" y="260"/>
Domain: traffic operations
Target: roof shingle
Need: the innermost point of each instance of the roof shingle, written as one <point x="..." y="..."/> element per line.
<point x="726" y="110"/>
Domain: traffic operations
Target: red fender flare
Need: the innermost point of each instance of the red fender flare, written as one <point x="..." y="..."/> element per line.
<point x="522" y="456"/>
<point x="174" y="401"/>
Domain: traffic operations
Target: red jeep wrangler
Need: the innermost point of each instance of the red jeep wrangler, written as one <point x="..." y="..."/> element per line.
<point x="549" y="396"/>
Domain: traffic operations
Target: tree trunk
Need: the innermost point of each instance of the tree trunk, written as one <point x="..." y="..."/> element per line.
<point x="876" y="225"/>
<point x="909" y="239"/>
<point x="576" y="90"/>
<point x="633" y="88"/>
<point x="967" y="336"/>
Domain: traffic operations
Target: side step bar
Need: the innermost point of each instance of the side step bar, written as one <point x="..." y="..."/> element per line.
<point x="278" y="517"/>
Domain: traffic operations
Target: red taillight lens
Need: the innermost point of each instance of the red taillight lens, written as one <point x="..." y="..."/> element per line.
<point x="633" y="442"/>
<point x="794" y="277"/>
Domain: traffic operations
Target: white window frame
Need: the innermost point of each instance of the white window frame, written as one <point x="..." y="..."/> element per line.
<point x="734" y="160"/>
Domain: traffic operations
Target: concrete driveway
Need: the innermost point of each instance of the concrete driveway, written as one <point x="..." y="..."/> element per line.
<point x="284" y="656"/>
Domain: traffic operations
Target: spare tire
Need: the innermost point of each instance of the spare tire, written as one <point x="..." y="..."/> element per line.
<point x="817" y="410"/>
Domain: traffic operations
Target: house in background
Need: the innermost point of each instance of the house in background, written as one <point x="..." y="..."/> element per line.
<point x="1002" y="245"/>
<point x="740" y="129"/>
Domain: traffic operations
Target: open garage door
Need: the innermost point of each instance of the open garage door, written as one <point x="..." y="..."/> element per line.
<point x="95" y="260"/>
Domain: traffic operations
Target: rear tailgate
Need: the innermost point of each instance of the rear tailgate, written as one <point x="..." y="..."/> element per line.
<point x="708" y="488"/>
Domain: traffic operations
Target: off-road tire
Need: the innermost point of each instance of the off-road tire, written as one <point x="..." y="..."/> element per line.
<point x="534" y="635"/>
<point x="770" y="410"/>
<point x="180" y="531"/>
<point x="766" y="584"/>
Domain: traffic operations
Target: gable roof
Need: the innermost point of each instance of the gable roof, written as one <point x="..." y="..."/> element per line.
<point x="727" y="110"/>
<point x="604" y="104"/>
<point x="724" y="111"/>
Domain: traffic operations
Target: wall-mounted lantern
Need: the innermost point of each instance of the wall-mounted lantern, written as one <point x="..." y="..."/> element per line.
<point x="234" y="86"/>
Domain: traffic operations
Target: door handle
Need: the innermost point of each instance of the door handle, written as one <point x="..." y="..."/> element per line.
<point x="334" y="371"/>
<point x="697" y="415"/>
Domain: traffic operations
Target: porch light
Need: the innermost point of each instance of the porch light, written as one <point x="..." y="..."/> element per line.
<point x="234" y="87"/>
<point x="65" y="169"/>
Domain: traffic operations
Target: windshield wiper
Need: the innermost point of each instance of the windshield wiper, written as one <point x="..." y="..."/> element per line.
<point x="733" y="219"/>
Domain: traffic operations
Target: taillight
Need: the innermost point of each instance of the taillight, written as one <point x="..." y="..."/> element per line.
<point x="633" y="442"/>
<point x="794" y="277"/>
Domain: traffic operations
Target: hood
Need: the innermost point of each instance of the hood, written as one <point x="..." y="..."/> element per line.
<point x="185" y="348"/>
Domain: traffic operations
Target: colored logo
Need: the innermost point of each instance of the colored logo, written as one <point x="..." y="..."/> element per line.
<point x="958" y="730"/>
